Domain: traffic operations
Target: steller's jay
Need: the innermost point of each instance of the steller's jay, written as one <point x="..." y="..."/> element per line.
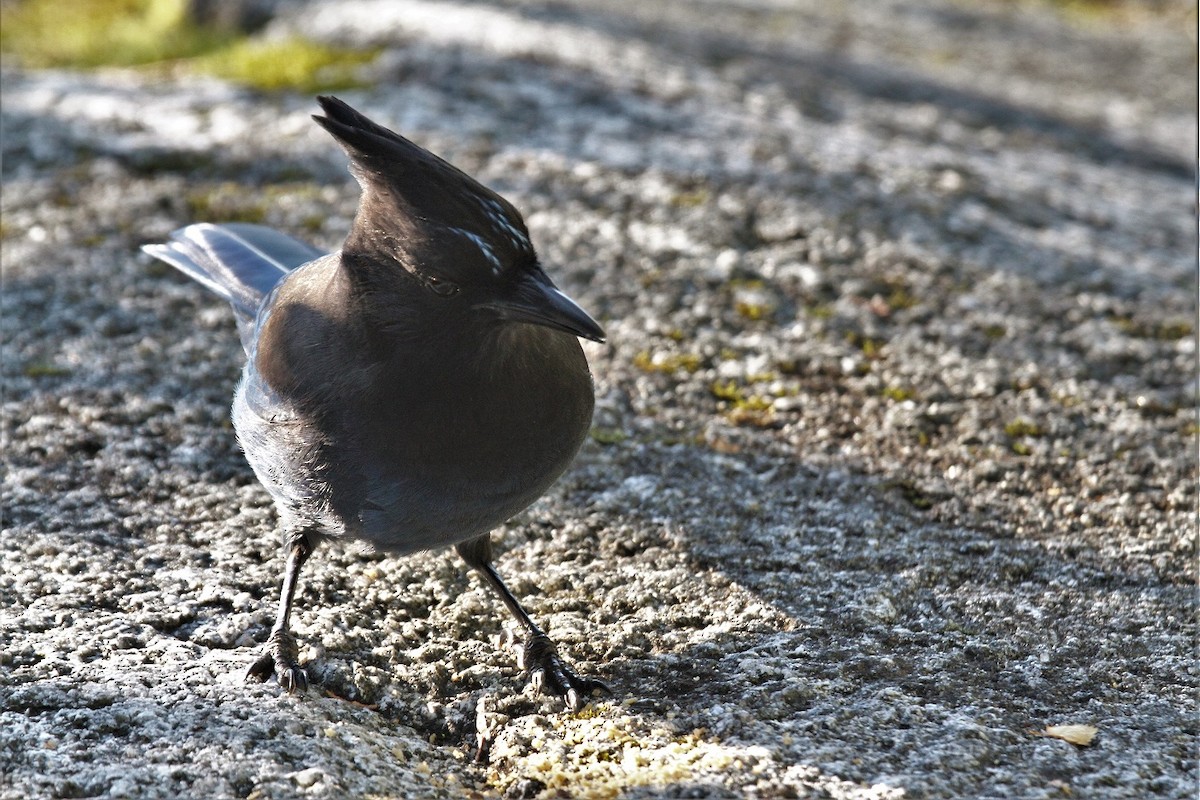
<point x="414" y="389"/>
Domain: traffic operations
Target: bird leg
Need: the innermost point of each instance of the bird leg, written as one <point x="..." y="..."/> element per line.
<point x="280" y="654"/>
<point x="540" y="657"/>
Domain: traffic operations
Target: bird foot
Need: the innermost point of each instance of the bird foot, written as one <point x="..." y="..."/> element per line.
<point x="547" y="671"/>
<point x="279" y="658"/>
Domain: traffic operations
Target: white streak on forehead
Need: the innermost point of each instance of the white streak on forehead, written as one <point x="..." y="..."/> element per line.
<point x="499" y="219"/>
<point x="484" y="247"/>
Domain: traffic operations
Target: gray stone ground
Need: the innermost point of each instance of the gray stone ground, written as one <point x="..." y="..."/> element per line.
<point x="895" y="449"/>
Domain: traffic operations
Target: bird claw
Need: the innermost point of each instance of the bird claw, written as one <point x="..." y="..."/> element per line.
<point x="279" y="658"/>
<point x="549" y="673"/>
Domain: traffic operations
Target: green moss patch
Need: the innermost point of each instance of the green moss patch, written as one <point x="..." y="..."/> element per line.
<point x="94" y="33"/>
<point x="288" y="64"/>
<point x="153" y="34"/>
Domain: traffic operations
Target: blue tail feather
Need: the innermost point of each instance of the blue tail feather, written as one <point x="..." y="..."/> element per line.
<point x="237" y="261"/>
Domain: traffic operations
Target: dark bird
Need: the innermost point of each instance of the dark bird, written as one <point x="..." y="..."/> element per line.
<point x="414" y="389"/>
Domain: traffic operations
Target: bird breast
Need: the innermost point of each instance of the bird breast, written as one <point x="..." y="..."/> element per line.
<point x="464" y="448"/>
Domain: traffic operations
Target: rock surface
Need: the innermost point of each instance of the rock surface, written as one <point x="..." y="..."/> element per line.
<point x="895" y="451"/>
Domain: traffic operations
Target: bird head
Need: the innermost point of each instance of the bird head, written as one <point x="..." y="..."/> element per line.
<point x="421" y="219"/>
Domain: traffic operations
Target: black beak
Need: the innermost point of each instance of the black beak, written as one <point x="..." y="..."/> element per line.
<point x="535" y="299"/>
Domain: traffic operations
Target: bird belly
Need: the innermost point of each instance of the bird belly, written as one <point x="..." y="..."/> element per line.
<point x="400" y="492"/>
<point x="460" y="492"/>
<point x="406" y="517"/>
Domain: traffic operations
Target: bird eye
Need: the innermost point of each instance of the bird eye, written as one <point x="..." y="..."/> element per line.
<point x="440" y="287"/>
